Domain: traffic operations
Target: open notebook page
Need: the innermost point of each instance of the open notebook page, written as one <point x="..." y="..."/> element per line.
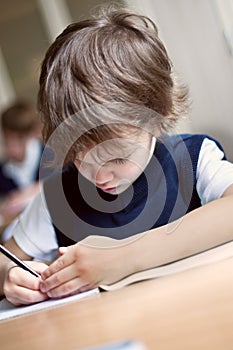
<point x="8" y="310"/>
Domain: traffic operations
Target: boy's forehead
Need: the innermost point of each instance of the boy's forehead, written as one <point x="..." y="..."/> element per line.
<point x="112" y="146"/>
<point x="110" y="149"/>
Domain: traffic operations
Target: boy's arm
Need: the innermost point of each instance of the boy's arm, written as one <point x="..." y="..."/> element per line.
<point x="82" y="266"/>
<point x="228" y="192"/>
<point x="203" y="228"/>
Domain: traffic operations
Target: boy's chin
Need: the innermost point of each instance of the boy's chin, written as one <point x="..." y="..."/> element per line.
<point x="122" y="188"/>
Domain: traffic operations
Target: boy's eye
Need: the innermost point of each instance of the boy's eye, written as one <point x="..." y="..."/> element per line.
<point x="119" y="160"/>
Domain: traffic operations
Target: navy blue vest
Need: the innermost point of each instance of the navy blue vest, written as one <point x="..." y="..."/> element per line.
<point x="164" y="192"/>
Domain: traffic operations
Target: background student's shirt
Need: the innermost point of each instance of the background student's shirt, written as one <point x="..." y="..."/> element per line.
<point x="20" y="175"/>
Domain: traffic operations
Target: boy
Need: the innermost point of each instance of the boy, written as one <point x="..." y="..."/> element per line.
<point x="19" y="170"/>
<point x="108" y="98"/>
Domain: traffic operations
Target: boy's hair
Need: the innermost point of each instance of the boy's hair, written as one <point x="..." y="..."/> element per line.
<point x="115" y="57"/>
<point x="21" y="117"/>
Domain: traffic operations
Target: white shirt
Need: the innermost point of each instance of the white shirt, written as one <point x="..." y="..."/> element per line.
<point x="23" y="173"/>
<point x="35" y="234"/>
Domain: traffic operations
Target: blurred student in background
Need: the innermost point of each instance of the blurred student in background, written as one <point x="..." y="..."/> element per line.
<point x="19" y="169"/>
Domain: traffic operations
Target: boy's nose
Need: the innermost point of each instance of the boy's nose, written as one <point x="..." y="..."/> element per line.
<point x="103" y="176"/>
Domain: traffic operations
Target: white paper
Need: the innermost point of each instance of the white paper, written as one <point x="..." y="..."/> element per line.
<point x="8" y="310"/>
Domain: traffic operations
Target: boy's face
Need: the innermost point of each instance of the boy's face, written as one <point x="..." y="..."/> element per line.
<point x="115" y="164"/>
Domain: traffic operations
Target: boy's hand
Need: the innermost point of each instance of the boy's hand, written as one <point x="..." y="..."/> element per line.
<point x="21" y="287"/>
<point x="82" y="268"/>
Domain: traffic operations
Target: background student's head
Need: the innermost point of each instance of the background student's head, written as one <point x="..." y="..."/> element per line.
<point x="20" y="122"/>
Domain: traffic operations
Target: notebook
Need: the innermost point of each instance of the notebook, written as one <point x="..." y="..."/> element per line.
<point x="212" y="255"/>
<point x="8" y="310"/>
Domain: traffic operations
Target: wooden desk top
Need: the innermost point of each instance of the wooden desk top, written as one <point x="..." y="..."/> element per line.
<point x="190" y="310"/>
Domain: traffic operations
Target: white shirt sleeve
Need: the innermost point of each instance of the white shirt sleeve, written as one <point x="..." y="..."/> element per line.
<point x="34" y="232"/>
<point x="214" y="175"/>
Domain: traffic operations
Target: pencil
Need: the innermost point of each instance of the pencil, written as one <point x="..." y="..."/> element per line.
<point x="16" y="260"/>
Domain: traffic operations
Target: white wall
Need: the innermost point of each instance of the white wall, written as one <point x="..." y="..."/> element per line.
<point x="193" y="34"/>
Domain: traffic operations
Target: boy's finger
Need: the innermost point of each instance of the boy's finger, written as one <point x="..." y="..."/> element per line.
<point x="20" y="277"/>
<point x="58" y="265"/>
<point x="67" y="274"/>
<point x="71" y="287"/>
<point x="62" y="250"/>
<point x="24" y="296"/>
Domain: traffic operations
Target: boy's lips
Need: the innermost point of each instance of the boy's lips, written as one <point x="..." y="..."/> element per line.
<point x="113" y="190"/>
<point x="110" y="189"/>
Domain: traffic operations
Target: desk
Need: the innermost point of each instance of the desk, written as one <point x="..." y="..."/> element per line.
<point x="190" y="310"/>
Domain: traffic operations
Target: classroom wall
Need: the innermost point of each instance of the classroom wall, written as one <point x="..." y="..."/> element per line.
<point x="191" y="29"/>
<point x="193" y="33"/>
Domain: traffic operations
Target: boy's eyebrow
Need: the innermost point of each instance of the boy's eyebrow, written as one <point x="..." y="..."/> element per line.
<point x="104" y="160"/>
<point x="97" y="158"/>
